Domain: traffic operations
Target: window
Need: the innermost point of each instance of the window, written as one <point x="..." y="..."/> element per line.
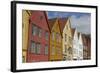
<point x="53" y="35"/>
<point x="59" y="51"/>
<point x="65" y="37"/>
<point x="39" y="32"/>
<point x="53" y="50"/>
<point x="57" y="37"/>
<point x="33" y="47"/>
<point x="23" y="59"/>
<point x="38" y="50"/>
<point x="70" y="50"/>
<point x="41" y="17"/>
<point x="34" y="30"/>
<point x="70" y="41"/>
<point x="46" y="35"/>
<point x="65" y="48"/>
<point x="80" y="46"/>
<point x="46" y="50"/>
<point x="80" y="54"/>
<point x="74" y="51"/>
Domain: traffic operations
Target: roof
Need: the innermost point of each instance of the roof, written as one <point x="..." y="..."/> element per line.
<point x="51" y="22"/>
<point x="47" y="20"/>
<point x="73" y="31"/>
<point x="62" y="22"/>
<point x="84" y="39"/>
<point x="78" y="34"/>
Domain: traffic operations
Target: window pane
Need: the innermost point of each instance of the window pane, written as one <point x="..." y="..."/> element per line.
<point x="58" y="51"/>
<point x="40" y="32"/>
<point x="23" y="59"/>
<point x="34" y="29"/>
<point x="53" y="50"/>
<point x="65" y="48"/>
<point x="70" y="41"/>
<point x="46" y="49"/>
<point x="38" y="48"/>
<point x="57" y="37"/>
<point x="70" y="50"/>
<point x="47" y="35"/>
<point x="33" y="47"/>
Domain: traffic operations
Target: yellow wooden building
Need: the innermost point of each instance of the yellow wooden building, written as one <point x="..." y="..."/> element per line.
<point x="25" y="25"/>
<point x="55" y="52"/>
<point x="67" y="38"/>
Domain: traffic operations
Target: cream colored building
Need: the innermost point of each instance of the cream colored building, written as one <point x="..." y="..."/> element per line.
<point x="25" y="25"/>
<point x="67" y="38"/>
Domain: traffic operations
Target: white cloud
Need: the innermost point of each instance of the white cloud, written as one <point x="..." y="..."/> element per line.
<point x="83" y="23"/>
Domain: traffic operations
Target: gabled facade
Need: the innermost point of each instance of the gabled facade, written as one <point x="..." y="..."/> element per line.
<point x="80" y="49"/>
<point x="86" y="46"/>
<point x="75" y="44"/>
<point x="38" y="44"/>
<point x="65" y="26"/>
<point x="25" y="27"/>
<point x="55" y="41"/>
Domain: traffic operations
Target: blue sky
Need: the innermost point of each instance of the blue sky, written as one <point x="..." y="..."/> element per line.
<point x="81" y="21"/>
<point x="53" y="14"/>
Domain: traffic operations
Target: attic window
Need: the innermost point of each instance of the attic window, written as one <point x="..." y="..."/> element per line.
<point x="41" y="17"/>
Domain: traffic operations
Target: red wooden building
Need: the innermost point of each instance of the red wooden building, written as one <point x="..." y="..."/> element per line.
<point x="39" y="37"/>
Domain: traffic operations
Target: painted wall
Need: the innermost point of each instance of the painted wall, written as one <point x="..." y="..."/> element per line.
<point x="25" y="27"/>
<point x="39" y="19"/>
<point x="75" y="45"/>
<point x="55" y="46"/>
<point x="67" y="41"/>
<point x="80" y="50"/>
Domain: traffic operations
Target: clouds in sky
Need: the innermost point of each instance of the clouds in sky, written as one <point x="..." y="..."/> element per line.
<point x="81" y="21"/>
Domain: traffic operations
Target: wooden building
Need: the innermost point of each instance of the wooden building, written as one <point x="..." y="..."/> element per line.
<point x="39" y="40"/>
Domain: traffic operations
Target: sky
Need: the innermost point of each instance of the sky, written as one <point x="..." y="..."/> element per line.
<point x="80" y="21"/>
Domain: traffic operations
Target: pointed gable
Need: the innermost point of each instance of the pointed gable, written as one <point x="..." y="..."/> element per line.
<point x="51" y="22"/>
<point x="62" y="22"/>
<point x="84" y="39"/>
